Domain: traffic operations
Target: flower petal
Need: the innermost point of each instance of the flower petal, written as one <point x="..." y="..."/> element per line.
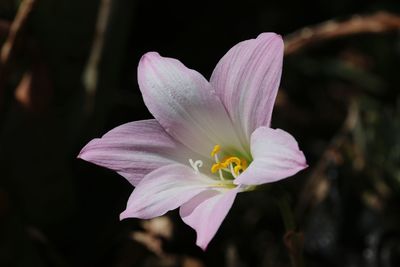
<point x="134" y="149"/>
<point x="247" y="80"/>
<point x="184" y="103"/>
<point x="276" y="156"/>
<point x="206" y="211"/>
<point x="165" y="189"/>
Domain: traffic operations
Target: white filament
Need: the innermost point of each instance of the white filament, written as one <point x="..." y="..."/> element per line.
<point x="232" y="171"/>
<point x="219" y="171"/>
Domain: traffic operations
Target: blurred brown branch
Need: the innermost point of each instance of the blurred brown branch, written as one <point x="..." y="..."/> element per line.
<point x="91" y="75"/>
<point x="379" y="22"/>
<point x="16" y="29"/>
<point x="4" y="28"/>
<point x="317" y="186"/>
<point x="13" y="39"/>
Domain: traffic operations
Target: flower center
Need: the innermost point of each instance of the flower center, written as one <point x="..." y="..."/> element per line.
<point x="231" y="165"/>
<point x="227" y="168"/>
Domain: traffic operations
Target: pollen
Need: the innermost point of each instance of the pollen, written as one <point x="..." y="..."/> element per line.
<point x="237" y="169"/>
<point x="230" y="160"/>
<point x="215" y="150"/>
<point x="231" y="164"/>
<point x="216" y="167"/>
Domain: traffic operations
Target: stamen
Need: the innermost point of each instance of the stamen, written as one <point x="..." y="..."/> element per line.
<point x="232" y="171"/>
<point x="237" y="169"/>
<point x="229" y="164"/>
<point x="216" y="167"/>
<point x="215" y="150"/>
<point x="244" y="164"/>
<point x="230" y="160"/>
<point x="220" y="166"/>
<point x="196" y="165"/>
<point x="214" y="153"/>
<point x="233" y="165"/>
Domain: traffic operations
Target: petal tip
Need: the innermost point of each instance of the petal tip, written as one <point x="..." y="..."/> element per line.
<point x="149" y="56"/>
<point x="305" y="165"/>
<point x="124" y="215"/>
<point x="202" y="246"/>
<point x="85" y="151"/>
<point x="303" y="162"/>
<point x="301" y="167"/>
<point x="82" y="153"/>
<point x="273" y="38"/>
<point x="270" y="35"/>
<point x="79" y="156"/>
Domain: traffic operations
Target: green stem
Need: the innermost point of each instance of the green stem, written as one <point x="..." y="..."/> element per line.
<point x="286" y="212"/>
<point x="293" y="239"/>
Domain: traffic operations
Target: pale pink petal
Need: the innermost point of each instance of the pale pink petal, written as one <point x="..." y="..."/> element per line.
<point x="135" y="149"/>
<point x="165" y="189"/>
<point x="206" y="211"/>
<point x="247" y="80"/>
<point x="276" y="156"/>
<point x="184" y="103"/>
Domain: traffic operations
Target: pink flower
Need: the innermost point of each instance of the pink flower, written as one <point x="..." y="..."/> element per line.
<point x="208" y="141"/>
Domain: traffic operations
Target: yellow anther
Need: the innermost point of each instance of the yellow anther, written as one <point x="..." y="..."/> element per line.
<point x="237" y="169"/>
<point x="234" y="165"/>
<point x="230" y="160"/>
<point x="217" y="166"/>
<point x="215" y="150"/>
<point x="244" y="164"/>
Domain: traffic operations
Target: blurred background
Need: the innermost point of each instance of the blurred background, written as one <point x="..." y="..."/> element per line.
<point x="68" y="75"/>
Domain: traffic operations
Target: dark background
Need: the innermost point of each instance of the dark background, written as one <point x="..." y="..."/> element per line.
<point x="339" y="98"/>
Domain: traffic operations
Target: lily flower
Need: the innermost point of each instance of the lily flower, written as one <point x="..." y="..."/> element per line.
<point x="209" y="141"/>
